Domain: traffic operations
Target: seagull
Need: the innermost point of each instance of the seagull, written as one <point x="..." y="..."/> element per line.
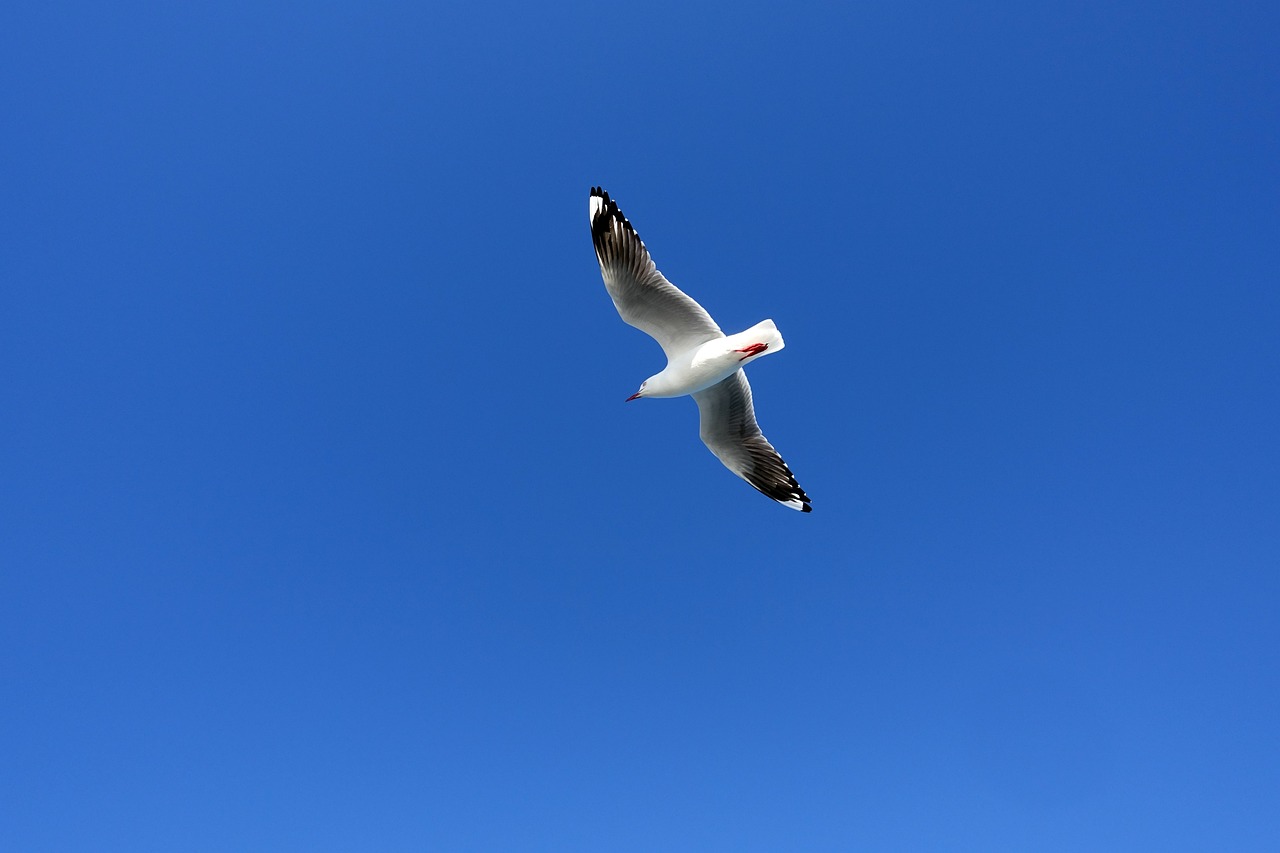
<point x="702" y="361"/>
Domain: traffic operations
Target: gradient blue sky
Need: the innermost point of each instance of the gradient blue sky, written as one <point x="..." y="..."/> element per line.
<point x="325" y="527"/>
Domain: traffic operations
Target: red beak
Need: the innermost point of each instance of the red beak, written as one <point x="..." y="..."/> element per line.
<point x="634" y="396"/>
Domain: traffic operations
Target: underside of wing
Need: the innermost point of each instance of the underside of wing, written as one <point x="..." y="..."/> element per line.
<point x="643" y="297"/>
<point x="730" y="431"/>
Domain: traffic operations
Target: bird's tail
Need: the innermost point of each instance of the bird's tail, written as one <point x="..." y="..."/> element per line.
<point x="764" y="332"/>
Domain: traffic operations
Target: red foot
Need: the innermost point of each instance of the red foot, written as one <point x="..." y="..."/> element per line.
<point x="754" y="349"/>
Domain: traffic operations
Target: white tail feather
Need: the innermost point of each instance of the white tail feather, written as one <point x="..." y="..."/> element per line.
<point x="764" y="332"/>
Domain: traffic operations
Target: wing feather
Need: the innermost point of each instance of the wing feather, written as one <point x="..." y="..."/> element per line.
<point x="643" y="296"/>
<point x="730" y="431"/>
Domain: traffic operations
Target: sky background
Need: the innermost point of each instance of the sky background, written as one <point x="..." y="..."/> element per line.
<point x="323" y="526"/>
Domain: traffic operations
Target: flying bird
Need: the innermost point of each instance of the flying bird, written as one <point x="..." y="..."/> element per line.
<point x="702" y="361"/>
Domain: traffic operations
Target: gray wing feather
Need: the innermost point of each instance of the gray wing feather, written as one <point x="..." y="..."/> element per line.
<point x="730" y="431"/>
<point x="643" y="296"/>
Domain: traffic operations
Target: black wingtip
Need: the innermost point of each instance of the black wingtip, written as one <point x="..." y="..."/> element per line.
<point x="602" y="223"/>
<point x="610" y="206"/>
<point x="781" y="486"/>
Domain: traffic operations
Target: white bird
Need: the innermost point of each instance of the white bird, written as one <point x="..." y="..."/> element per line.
<point x="701" y="360"/>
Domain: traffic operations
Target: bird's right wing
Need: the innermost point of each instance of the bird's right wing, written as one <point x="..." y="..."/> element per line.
<point x="643" y="296"/>
<point x="730" y="431"/>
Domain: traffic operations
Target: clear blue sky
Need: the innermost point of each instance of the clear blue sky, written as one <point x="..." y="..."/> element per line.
<point x="325" y="527"/>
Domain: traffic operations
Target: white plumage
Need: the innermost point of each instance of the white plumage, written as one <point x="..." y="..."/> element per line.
<point x="701" y="360"/>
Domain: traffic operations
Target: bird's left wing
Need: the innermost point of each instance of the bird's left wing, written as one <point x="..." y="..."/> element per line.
<point x="643" y="296"/>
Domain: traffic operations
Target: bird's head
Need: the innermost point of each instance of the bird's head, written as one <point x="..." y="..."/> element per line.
<point x="640" y="393"/>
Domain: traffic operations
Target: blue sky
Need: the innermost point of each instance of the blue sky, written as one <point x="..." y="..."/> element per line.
<point x="325" y="526"/>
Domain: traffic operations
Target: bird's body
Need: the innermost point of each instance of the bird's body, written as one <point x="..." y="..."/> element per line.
<point x="705" y="364"/>
<point x="702" y="361"/>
